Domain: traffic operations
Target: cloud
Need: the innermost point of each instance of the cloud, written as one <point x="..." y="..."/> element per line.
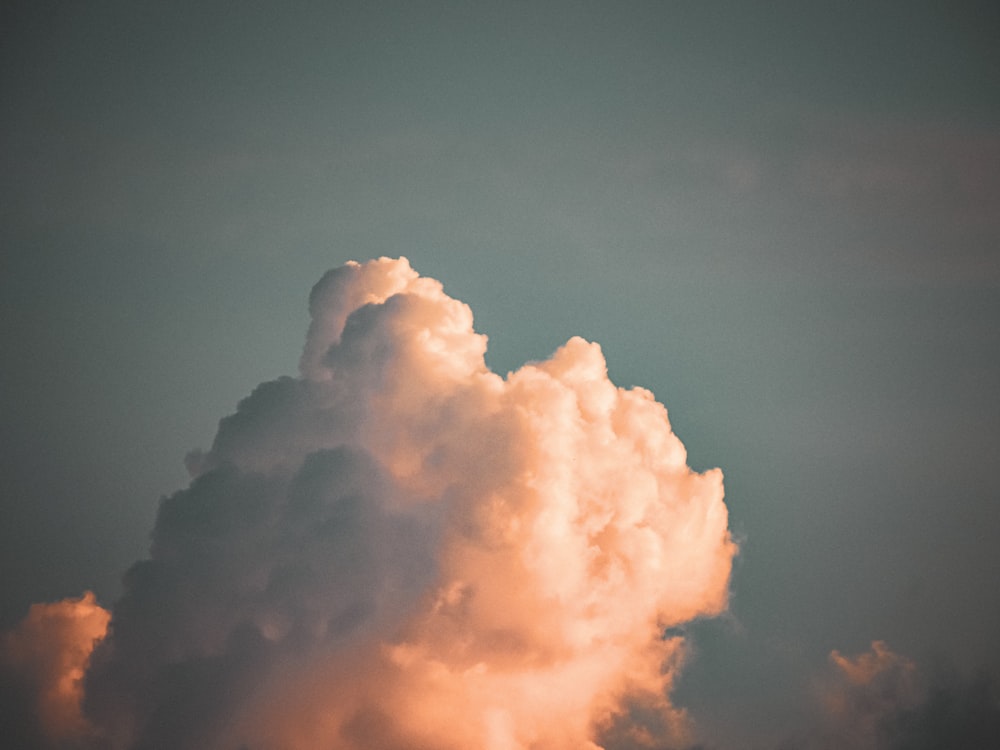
<point x="42" y="664"/>
<point x="402" y="549"/>
<point x="866" y="689"/>
<point x="881" y="700"/>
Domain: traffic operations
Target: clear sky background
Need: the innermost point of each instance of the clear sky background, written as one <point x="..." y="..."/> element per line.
<point x="783" y="218"/>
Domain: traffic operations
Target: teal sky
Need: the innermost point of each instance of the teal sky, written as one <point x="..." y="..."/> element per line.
<point x="781" y="217"/>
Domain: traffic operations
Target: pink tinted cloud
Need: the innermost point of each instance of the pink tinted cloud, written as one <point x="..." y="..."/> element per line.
<point x="48" y="654"/>
<point x="403" y="549"/>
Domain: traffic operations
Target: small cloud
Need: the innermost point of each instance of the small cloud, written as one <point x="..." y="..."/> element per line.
<point x="881" y="700"/>
<point x="866" y="689"/>
<point x="42" y="666"/>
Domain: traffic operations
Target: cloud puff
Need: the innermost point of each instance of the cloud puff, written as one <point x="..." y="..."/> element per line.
<point x="866" y="689"/>
<point x="881" y="700"/>
<point x="42" y="664"/>
<point x="402" y="549"/>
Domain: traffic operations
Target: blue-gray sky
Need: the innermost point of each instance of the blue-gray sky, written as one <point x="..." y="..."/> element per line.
<point x="783" y="218"/>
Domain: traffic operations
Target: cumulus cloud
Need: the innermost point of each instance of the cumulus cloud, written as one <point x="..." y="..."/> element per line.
<point x="881" y="700"/>
<point x="42" y="664"/>
<point x="400" y="548"/>
<point x="866" y="689"/>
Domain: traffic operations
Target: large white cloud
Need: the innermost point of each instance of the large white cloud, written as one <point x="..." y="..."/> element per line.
<point x="402" y="549"/>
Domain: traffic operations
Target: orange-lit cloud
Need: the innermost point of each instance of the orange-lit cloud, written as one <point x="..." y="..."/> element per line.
<point x="877" y="663"/>
<point x="46" y="657"/>
<point x="864" y="694"/>
<point x="403" y="549"/>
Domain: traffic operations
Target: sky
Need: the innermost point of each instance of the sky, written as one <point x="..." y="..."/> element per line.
<point x="781" y="219"/>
